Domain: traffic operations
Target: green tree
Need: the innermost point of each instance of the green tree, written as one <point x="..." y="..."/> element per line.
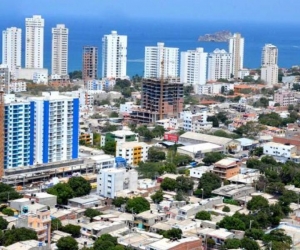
<point x="250" y="129"/>
<point x="156" y="155"/>
<point x="18" y="234"/>
<point x="173" y="233"/>
<point x="278" y="239"/>
<point x="80" y="186"/>
<point x="63" y="192"/>
<point x="207" y="183"/>
<point x="7" y="191"/>
<point x="249" y="244"/>
<point x="137" y="205"/>
<point x="203" y="215"/>
<point x="91" y="213"/>
<point x="168" y="184"/>
<point x="108" y="237"/>
<point x="259" y="151"/>
<point x="230" y="222"/>
<point x="103" y="245"/>
<point x="76" y="74"/>
<point x="255" y="233"/>
<point x="110" y="148"/>
<point x="67" y="243"/>
<point x="114" y="114"/>
<point x="150" y="169"/>
<point x="56" y="224"/>
<point x="72" y="229"/>
<point x="212" y="157"/>
<point x="257" y="203"/>
<point x="158" y="131"/>
<point x="214" y="121"/>
<point x="3" y="223"/>
<point x="158" y="196"/>
<point x="232" y="243"/>
<point x="119" y="201"/>
<point x="8" y="212"/>
<point x="226" y="209"/>
<point x="184" y="184"/>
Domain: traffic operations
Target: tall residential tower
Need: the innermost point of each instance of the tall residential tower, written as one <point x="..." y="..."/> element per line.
<point x="60" y="50"/>
<point x="114" y="56"/>
<point x="193" y="67"/>
<point x="90" y="63"/>
<point x="269" y="67"/>
<point x="219" y="65"/>
<point x="155" y="55"/>
<point x="34" y="43"/>
<point x="236" y="48"/>
<point x="11" y="48"/>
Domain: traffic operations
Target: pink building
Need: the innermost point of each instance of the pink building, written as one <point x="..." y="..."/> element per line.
<point x="285" y="98"/>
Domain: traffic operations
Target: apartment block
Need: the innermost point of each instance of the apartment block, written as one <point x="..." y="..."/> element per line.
<point x="54" y="128"/>
<point x="34" y="42"/>
<point x="159" y="101"/>
<point x="193" y="67"/>
<point x="114" y="55"/>
<point x="269" y="64"/>
<point x="195" y="122"/>
<point x="17" y="121"/>
<point x="236" y="48"/>
<point x="89" y="63"/>
<point x="219" y="65"/>
<point x="155" y="55"/>
<point x="285" y="98"/>
<point x="12" y="48"/>
<point x="60" y="50"/>
<point x="113" y="180"/>
<point x="17" y="86"/>
<point x="133" y="152"/>
<point x="280" y="151"/>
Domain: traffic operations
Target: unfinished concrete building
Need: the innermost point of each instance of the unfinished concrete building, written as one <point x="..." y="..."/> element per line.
<point x="160" y="100"/>
<point x="90" y="63"/>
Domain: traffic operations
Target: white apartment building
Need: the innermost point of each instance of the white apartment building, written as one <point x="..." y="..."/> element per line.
<point x="33" y="74"/>
<point x="155" y="55"/>
<point x="16" y="86"/>
<point x="113" y="180"/>
<point x="12" y="48"/>
<point x="34" y="42"/>
<point x="114" y="56"/>
<point x="55" y="128"/>
<point x="86" y="98"/>
<point x="170" y="123"/>
<point x="215" y="88"/>
<point x="236" y="48"/>
<point x="280" y="151"/>
<point x="269" y="64"/>
<point x="243" y="72"/>
<point x="219" y="65"/>
<point x="59" y="58"/>
<point x="193" y="67"/>
<point x="133" y="152"/>
<point x="195" y="122"/>
<point x="126" y="107"/>
<point x="285" y="98"/>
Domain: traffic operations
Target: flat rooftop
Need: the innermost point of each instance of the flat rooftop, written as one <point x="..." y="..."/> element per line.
<point x="203" y="147"/>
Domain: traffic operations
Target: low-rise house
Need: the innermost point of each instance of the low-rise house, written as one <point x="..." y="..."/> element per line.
<point x="28" y="245"/>
<point x="148" y="218"/>
<point x="191" y="209"/>
<point x="87" y="201"/>
<point x="176" y="244"/>
<point x="43" y="198"/>
<point x="199" y="171"/>
<point x="227" y="168"/>
<point x="234" y="191"/>
<point x="280" y="151"/>
<point x="218" y="235"/>
<point x="199" y="150"/>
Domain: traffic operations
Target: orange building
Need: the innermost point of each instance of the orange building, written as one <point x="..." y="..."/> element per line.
<point x="227" y="168"/>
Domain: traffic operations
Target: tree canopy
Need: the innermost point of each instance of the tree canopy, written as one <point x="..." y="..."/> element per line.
<point x="91" y="213"/>
<point x="16" y="235"/>
<point x="80" y="186"/>
<point x="157" y="196"/>
<point x="137" y="205"/>
<point x="207" y="183"/>
<point x="72" y="229"/>
<point x="203" y="215"/>
<point x="156" y="155"/>
<point x="212" y="157"/>
<point x="63" y="192"/>
<point x="173" y="233"/>
<point x="67" y="243"/>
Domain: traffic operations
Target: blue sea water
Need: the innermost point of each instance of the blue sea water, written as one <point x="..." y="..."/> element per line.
<point x="181" y="34"/>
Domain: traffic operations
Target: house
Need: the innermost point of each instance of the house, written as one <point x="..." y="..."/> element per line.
<point x="234" y="191"/>
<point x="227" y="168"/>
<point x="191" y="243"/>
<point x="199" y="150"/>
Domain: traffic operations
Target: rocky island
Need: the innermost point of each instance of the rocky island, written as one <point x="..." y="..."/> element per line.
<point x="220" y="36"/>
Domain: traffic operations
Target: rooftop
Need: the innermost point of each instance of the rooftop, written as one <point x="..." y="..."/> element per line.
<point x="200" y="147"/>
<point x="165" y="244"/>
<point x="122" y="132"/>
<point x="86" y="199"/>
<point x="132" y="144"/>
<point x="226" y="162"/>
<point x="204" y="137"/>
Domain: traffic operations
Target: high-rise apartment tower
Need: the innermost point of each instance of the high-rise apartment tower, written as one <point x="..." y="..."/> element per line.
<point x="236" y="48"/>
<point x="90" y="63"/>
<point x="34" y="42"/>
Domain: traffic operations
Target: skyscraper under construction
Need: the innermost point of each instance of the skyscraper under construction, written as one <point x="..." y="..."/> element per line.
<point x="160" y="99"/>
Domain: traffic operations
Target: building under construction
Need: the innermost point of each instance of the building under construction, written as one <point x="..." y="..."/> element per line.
<point x="90" y="63"/>
<point x="160" y="99"/>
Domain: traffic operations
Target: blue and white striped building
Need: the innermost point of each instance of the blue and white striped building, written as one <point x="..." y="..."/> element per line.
<point x="41" y="130"/>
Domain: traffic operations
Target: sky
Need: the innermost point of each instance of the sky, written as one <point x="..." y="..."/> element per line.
<point x="203" y="10"/>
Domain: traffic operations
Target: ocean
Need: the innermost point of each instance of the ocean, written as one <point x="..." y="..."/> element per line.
<point x="181" y="34"/>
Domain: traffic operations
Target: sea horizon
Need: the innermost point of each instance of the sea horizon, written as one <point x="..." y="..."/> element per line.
<point x="176" y="33"/>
